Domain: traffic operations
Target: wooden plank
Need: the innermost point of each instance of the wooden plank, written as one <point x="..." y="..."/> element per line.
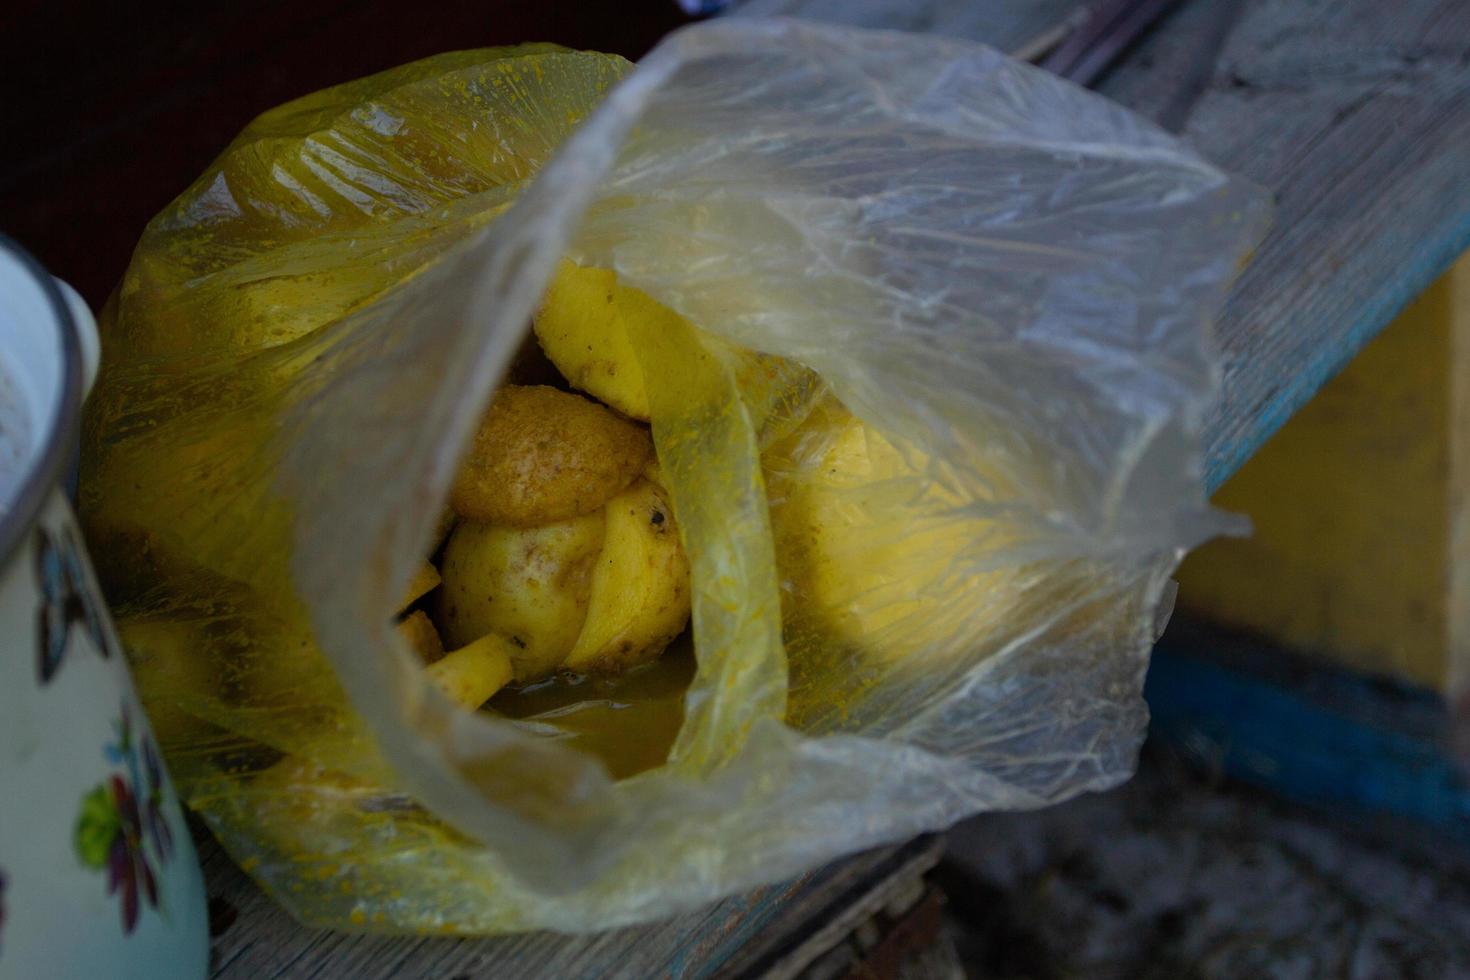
<point x="1312" y="733"/>
<point x="1010" y="25"/>
<point x="831" y="918"/>
<point x="907" y="943"/>
<point x="254" y="937"/>
<point x="1357" y="116"/>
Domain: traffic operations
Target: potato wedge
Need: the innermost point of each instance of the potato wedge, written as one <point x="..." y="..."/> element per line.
<point x="530" y="585"/>
<point x="542" y="455"/>
<point x="471" y="675"/>
<point x="583" y="327"/>
<point x="640" y="592"/>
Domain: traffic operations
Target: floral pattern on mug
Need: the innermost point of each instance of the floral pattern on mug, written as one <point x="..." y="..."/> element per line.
<point x="67" y="599"/>
<point x="121" y="825"/>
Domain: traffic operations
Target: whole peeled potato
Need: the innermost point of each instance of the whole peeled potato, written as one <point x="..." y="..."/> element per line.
<point x="597" y="594"/>
<point x="528" y="585"/>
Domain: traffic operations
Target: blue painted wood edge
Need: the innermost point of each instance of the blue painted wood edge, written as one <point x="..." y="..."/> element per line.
<point x="1339" y="755"/>
<point x="1430" y="260"/>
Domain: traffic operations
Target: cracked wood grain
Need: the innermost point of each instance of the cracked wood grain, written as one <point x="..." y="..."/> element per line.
<point x="1357" y="117"/>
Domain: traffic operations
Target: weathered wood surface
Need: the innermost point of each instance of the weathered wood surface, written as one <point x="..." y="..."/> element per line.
<point x="827" y="928"/>
<point x="1357" y="116"/>
<point x="1010" y="25"/>
<point x="254" y="939"/>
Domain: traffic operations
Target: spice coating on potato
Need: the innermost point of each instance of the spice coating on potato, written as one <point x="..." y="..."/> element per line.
<point x="542" y="455"/>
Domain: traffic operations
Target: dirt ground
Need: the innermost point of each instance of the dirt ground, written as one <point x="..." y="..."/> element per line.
<point x="1179" y="876"/>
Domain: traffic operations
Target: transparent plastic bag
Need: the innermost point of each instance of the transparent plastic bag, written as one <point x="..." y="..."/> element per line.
<point x="1003" y="285"/>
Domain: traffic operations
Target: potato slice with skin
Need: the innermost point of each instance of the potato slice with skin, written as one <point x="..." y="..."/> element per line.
<point x="422" y="638"/>
<point x="471" y="675"/>
<point x="639" y="599"/>
<point x="542" y="455"/>
<point x="531" y="585"/>
<point x="581" y="325"/>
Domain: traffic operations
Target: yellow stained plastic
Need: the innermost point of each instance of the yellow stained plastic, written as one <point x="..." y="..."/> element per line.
<point x="316" y="210"/>
<point x="218" y="334"/>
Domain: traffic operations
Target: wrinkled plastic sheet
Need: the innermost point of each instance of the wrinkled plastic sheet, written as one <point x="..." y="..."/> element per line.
<point x="1007" y="279"/>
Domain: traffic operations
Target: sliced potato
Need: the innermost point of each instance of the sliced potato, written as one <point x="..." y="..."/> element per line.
<point x="471" y="675"/>
<point x="542" y="455"/>
<point x="581" y="327"/>
<point x="639" y="598"/>
<point x="422" y="638"/>
<point x="530" y="585"/>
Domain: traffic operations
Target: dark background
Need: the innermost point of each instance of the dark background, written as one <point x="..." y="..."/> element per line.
<point x="110" y="109"/>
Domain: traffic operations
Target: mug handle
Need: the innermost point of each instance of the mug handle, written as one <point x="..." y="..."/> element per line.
<point x="87" y="339"/>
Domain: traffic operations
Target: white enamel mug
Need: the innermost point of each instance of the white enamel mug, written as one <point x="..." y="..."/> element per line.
<point x="98" y="876"/>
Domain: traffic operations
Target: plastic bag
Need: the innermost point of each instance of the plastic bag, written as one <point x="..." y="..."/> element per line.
<point x="1007" y="279"/>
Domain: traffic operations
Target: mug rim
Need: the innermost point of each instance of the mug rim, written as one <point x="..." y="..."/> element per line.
<point x="44" y="473"/>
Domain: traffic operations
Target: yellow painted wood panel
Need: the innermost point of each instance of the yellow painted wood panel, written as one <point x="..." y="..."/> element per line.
<point x="1352" y="503"/>
<point x="1458" y="672"/>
